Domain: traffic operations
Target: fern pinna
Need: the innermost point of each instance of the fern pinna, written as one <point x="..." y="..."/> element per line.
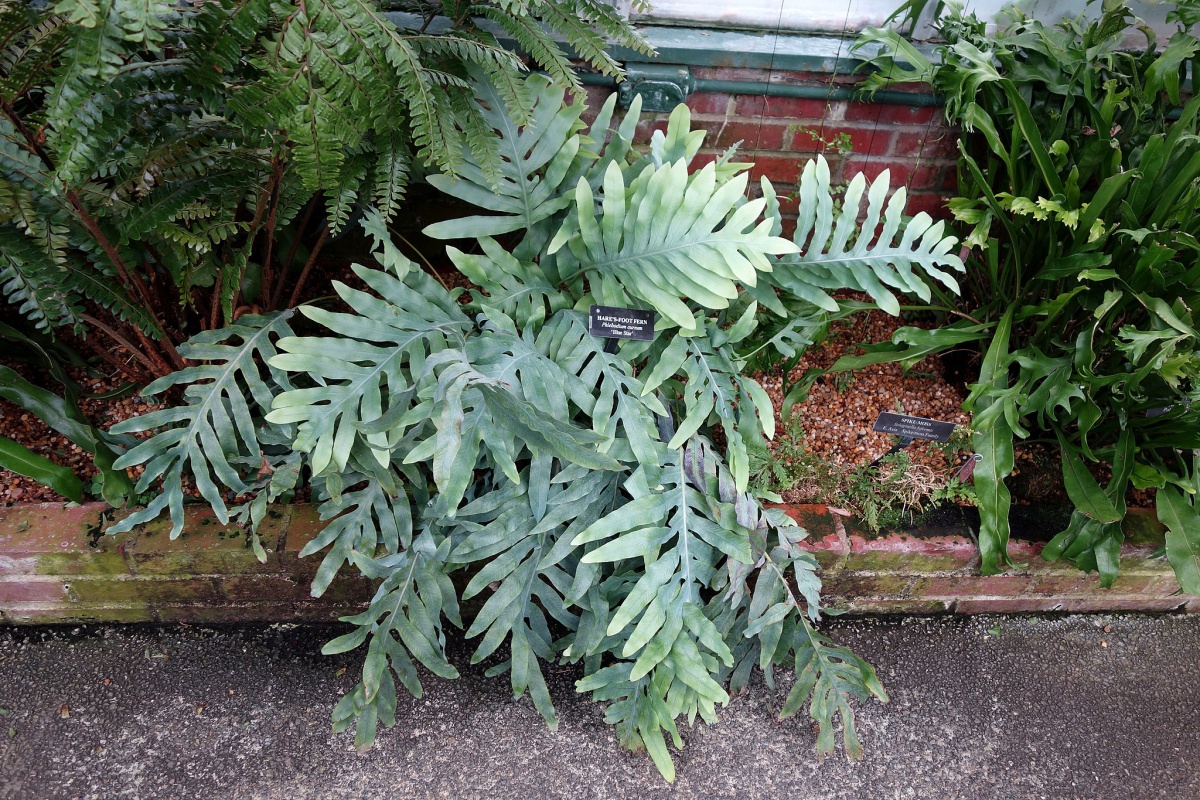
<point x="485" y="433"/>
<point x="167" y="167"/>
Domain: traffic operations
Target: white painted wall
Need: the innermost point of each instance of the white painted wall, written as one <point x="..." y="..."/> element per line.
<point x="854" y="15"/>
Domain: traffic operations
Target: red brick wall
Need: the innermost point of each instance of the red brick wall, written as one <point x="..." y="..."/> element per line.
<point x="779" y="134"/>
<point x="56" y="567"/>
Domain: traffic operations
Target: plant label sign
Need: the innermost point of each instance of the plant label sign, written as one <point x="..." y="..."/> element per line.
<point x="607" y="322"/>
<point x="914" y="427"/>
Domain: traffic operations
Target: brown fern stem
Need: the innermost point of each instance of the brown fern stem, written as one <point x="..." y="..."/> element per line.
<point x="312" y="259"/>
<point x="277" y="292"/>
<point x="121" y="340"/>
<point x="269" y="199"/>
<point x="105" y="354"/>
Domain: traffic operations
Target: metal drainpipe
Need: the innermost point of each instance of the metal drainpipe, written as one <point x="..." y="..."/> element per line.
<point x="816" y="92"/>
<point x="921" y="99"/>
<point x="689" y="85"/>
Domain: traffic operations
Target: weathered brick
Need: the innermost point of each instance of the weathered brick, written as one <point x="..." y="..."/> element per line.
<point x="1133" y="584"/>
<point x="47" y="527"/>
<point x="842" y="139"/>
<point x="206" y="546"/>
<point x="596" y="96"/>
<point x="352" y="589"/>
<point x="926" y="143"/>
<point x="224" y="613"/>
<point x="891" y="113"/>
<point x="893" y="554"/>
<point x="647" y="126"/>
<point x="108" y="557"/>
<point x="827" y="551"/>
<point x="911" y="172"/>
<point x="304" y="526"/>
<point x="594" y="99"/>
<point x="710" y="103"/>
<point x="817" y="520"/>
<point x="859" y="584"/>
<point x="73" y="613"/>
<point x="1077" y="582"/>
<point x="1006" y="605"/>
<point x="855" y="527"/>
<point x="1117" y="602"/>
<point x="932" y="204"/>
<point x="948" y="179"/>
<point x="1162" y="585"/>
<point x="1137" y="560"/>
<point x="319" y="612"/>
<point x="792" y="108"/>
<point x="893" y="573"/>
<point x="26" y="589"/>
<point x="752" y="135"/>
<point x="1029" y="555"/>
<point x="971" y="586"/>
<point x="57" y="539"/>
<point x="1141" y="527"/>
<point x="789" y="203"/>
<point x="251" y="588"/>
<point x="150" y="590"/>
<point x="19" y="564"/>
<point x="888" y="605"/>
<point x="777" y="168"/>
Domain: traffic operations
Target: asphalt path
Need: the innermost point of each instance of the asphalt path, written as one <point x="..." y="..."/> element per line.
<point x="1009" y="708"/>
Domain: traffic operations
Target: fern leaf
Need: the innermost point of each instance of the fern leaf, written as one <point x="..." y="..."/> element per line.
<point x="582" y="37"/>
<point x="361" y="522"/>
<point x="623" y="409"/>
<point x="535" y="161"/>
<point x="404" y="623"/>
<point x="214" y="433"/>
<point x="28" y="49"/>
<point x="391" y="173"/>
<point x="91" y="57"/>
<point x="522" y="532"/>
<point x="378" y="357"/>
<point x="536" y="41"/>
<point x="33" y="282"/>
<point x="878" y="255"/>
<point x="658" y="239"/>
<point x="96" y="284"/>
<point x="521" y="290"/>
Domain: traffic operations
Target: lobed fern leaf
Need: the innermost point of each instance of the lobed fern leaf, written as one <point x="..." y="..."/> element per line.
<point x="214" y="433"/>
<point x="534" y="162"/>
<point x="837" y="251"/>
<point x="669" y="235"/>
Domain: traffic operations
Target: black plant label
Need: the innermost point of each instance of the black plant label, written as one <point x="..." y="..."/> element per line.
<point x="914" y="427"/>
<point x="608" y="322"/>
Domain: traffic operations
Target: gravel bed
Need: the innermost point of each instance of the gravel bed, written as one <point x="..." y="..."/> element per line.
<point x="837" y="416"/>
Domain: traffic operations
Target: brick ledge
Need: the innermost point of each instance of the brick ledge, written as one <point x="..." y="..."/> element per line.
<point x="56" y="567"/>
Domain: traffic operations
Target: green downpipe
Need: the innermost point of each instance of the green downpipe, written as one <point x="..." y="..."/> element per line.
<point x="921" y="99"/>
<point x="689" y="85"/>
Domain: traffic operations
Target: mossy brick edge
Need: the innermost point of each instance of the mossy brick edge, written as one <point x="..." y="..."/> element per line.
<point x="57" y="566"/>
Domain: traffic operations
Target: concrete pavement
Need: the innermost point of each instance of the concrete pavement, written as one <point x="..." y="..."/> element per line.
<point x="984" y="707"/>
